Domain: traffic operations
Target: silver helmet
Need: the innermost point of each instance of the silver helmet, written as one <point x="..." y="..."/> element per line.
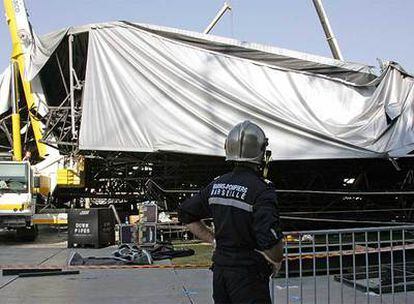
<point x="246" y="142"/>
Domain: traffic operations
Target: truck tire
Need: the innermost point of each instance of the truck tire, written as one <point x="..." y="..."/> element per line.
<point x="27" y="234"/>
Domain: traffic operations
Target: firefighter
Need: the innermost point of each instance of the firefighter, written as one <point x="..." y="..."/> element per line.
<point x="247" y="237"/>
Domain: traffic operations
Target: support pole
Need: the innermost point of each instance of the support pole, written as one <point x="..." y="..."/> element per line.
<point x="17" y="141"/>
<point x="72" y="87"/>
<point x="220" y="14"/>
<point x="323" y="17"/>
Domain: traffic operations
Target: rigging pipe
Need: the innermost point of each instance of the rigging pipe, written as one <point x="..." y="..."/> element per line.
<point x="328" y="220"/>
<point x="220" y="14"/>
<point x="323" y="17"/>
<point x="72" y="87"/>
<point x="295" y="191"/>
<point x="118" y="220"/>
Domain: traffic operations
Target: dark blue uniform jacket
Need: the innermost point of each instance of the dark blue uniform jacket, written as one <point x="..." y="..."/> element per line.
<point x="245" y="213"/>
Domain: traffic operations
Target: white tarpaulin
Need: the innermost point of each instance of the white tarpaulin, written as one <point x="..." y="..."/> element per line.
<point x="151" y="88"/>
<point x="145" y="92"/>
<point x="39" y="51"/>
<point x="5" y="84"/>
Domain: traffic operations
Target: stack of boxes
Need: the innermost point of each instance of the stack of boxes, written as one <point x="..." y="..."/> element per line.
<point x="140" y="229"/>
<point x="147" y="224"/>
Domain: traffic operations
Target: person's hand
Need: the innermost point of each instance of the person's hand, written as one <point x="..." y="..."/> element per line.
<point x="275" y="265"/>
<point x="275" y="269"/>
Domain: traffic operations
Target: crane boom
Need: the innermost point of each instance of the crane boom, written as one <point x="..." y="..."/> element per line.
<point x="22" y="41"/>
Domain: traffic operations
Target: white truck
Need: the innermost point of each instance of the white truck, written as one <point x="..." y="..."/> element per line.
<point x="18" y="197"/>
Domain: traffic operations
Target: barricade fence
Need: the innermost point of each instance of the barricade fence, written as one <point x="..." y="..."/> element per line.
<point x="364" y="265"/>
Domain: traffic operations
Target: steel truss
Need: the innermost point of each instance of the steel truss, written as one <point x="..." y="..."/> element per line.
<point x="123" y="178"/>
<point x="340" y="190"/>
<point x="63" y="119"/>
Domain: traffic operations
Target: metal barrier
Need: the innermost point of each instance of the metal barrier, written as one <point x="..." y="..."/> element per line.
<point x="367" y="265"/>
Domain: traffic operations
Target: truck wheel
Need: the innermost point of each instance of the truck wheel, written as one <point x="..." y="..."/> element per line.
<point x="27" y="234"/>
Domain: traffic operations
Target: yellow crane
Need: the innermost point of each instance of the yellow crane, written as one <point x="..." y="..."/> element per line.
<point x="22" y="40"/>
<point x="20" y="182"/>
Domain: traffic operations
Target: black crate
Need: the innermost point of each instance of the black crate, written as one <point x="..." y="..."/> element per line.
<point x="125" y="234"/>
<point x="91" y="227"/>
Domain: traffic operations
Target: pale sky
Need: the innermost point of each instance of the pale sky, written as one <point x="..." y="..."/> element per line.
<point x="365" y="29"/>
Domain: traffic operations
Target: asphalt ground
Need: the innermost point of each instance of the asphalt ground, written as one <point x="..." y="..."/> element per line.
<point x="165" y="284"/>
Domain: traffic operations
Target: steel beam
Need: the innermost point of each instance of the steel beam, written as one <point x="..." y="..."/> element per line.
<point x="216" y="19"/>
<point x="323" y="18"/>
<point x="72" y="87"/>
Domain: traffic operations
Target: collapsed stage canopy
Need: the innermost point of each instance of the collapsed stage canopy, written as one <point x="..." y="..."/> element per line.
<point x="150" y="88"/>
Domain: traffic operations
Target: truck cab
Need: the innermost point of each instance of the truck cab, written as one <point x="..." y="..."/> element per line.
<point x="17" y="198"/>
